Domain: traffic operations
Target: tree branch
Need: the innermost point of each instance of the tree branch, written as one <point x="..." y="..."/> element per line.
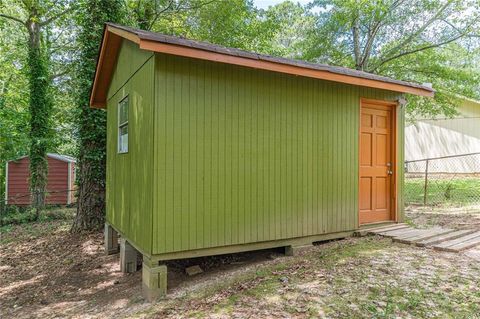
<point x="369" y="45"/>
<point x="464" y="33"/>
<point x="6" y="16"/>
<point x="159" y="13"/>
<point x="436" y="45"/>
<point x="59" y="74"/>
<point x="197" y="6"/>
<point x="356" y="43"/>
<point x="177" y="8"/>
<point x="420" y="30"/>
<point x="55" y="17"/>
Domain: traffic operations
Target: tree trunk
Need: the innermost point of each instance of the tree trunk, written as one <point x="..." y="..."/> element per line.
<point x="91" y="194"/>
<point x="91" y="123"/>
<point x="40" y="111"/>
<point x="356" y="44"/>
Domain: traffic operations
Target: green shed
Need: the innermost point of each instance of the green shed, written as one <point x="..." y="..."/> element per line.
<point x="213" y="150"/>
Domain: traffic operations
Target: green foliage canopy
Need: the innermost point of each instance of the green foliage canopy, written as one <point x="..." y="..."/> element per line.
<point x="428" y="41"/>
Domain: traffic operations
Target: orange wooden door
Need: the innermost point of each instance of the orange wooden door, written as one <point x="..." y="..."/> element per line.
<point x="376" y="164"/>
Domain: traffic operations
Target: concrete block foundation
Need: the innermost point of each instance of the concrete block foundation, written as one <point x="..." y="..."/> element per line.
<point x="154" y="281"/>
<point x="295" y="250"/>
<point x="128" y="257"/>
<point x="111" y="240"/>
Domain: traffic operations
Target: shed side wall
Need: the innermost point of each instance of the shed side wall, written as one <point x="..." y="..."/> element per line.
<point x="130" y="60"/>
<point x="129" y="175"/>
<point x="245" y="156"/>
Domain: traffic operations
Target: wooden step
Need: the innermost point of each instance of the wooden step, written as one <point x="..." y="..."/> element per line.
<point x="444" y="237"/>
<point x="426" y="234"/>
<point x="386" y="228"/>
<point x="372" y="230"/>
<point x="399" y="232"/>
<point x="455" y="244"/>
<point x="413" y="233"/>
<point x="409" y="234"/>
<point x="464" y="245"/>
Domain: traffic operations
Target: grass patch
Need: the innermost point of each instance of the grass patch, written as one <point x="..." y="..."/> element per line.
<point x="443" y="191"/>
<point x="14" y="215"/>
<point x="344" y="250"/>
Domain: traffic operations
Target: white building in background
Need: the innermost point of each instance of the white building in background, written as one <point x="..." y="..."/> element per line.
<point x="431" y="138"/>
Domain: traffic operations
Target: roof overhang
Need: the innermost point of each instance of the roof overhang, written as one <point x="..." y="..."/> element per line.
<point x="63" y="158"/>
<point x="114" y="34"/>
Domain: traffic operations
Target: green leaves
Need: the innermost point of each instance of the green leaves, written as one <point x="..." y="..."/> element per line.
<point x="429" y="41"/>
<point x="434" y="41"/>
<point x="90" y="124"/>
<point x="40" y="109"/>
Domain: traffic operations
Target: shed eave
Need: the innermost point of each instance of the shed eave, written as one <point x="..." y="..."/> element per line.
<point x="113" y="36"/>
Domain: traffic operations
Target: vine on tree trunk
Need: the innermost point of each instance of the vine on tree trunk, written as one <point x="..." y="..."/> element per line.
<point x="91" y="123"/>
<point x="40" y="114"/>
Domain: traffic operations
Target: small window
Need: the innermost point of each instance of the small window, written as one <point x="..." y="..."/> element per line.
<point x="123" y="126"/>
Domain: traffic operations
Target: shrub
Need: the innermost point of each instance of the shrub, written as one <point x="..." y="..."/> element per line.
<point x="15" y="215"/>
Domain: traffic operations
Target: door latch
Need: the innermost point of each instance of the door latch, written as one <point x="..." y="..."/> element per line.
<point x="389" y="172"/>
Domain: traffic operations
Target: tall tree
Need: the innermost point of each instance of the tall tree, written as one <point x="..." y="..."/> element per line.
<point x="287" y="26"/>
<point x="35" y="17"/>
<point x="233" y="23"/>
<point x="13" y="98"/>
<point x="144" y="14"/>
<point x="405" y="39"/>
<point x="91" y="123"/>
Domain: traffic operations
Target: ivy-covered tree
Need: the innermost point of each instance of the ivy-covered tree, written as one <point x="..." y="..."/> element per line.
<point x="91" y="123"/>
<point x="35" y="17"/>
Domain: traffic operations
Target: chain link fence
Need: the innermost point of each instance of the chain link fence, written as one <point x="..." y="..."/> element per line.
<point x="448" y="180"/>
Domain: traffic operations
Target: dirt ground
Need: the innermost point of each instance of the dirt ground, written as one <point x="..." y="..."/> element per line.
<point x="448" y="217"/>
<point x="45" y="272"/>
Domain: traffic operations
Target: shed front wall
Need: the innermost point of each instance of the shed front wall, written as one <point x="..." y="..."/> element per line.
<point x="243" y="156"/>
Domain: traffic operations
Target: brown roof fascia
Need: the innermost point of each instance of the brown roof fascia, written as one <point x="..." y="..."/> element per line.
<point x="278" y="67"/>
<point x="113" y="36"/>
<point x="107" y="60"/>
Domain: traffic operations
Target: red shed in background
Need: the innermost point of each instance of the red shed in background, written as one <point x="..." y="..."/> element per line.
<point x="60" y="184"/>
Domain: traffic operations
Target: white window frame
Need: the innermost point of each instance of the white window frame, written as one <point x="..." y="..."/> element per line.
<point x="124" y="101"/>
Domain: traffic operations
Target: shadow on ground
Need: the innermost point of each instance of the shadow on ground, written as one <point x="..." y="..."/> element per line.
<point x="47" y="272"/>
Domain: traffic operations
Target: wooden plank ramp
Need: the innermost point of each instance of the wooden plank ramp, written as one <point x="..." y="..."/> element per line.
<point x="425" y="234"/>
<point x="439" y="238"/>
<point x="378" y="230"/>
<point x="459" y="244"/>
<point x="375" y="230"/>
<point x="400" y="232"/>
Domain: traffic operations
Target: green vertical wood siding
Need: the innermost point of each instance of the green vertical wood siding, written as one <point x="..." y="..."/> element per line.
<point x="130" y="60"/>
<point x="243" y="155"/>
<point x="223" y="155"/>
<point x="129" y="194"/>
